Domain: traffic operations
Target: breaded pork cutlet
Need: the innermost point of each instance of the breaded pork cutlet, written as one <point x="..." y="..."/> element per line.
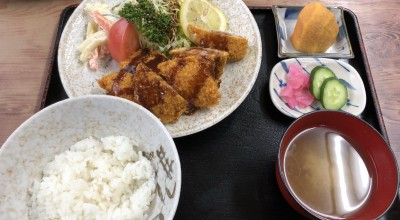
<point x="148" y="89"/>
<point x="193" y="78"/>
<point x="118" y="84"/>
<point x="150" y="58"/>
<point x="219" y="57"/>
<point x="155" y="94"/>
<point x="236" y="46"/>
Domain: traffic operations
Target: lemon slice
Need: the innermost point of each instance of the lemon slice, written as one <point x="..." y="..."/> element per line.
<point x="201" y="13"/>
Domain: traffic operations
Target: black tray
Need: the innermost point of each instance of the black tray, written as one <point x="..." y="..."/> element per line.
<point x="228" y="170"/>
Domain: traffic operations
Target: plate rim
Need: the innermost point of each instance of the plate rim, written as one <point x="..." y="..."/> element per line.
<point x="60" y="45"/>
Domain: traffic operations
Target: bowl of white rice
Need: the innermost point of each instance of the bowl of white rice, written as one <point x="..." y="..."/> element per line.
<point x="92" y="157"/>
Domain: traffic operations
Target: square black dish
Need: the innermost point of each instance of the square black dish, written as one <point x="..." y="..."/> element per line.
<point x="228" y="170"/>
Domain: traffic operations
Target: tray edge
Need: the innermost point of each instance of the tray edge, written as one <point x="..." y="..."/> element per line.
<point x="369" y="76"/>
<point x="54" y="51"/>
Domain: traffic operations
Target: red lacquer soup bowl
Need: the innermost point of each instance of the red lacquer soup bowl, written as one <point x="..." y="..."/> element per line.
<point x="333" y="165"/>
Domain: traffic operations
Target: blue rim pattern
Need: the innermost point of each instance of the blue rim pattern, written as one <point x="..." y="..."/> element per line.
<point x="345" y="73"/>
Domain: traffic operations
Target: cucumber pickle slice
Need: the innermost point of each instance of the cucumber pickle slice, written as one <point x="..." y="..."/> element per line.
<point x="333" y="94"/>
<point x="318" y="75"/>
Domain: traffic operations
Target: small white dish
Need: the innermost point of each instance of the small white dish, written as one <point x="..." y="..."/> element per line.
<point x="237" y="81"/>
<point x="285" y="21"/>
<point x="343" y="71"/>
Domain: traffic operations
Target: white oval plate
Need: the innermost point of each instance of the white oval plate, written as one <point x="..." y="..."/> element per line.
<point x="237" y="80"/>
<point x="344" y="72"/>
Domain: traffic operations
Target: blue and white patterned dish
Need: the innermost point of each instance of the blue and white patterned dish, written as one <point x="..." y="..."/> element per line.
<point x="344" y="72"/>
<point x="285" y="21"/>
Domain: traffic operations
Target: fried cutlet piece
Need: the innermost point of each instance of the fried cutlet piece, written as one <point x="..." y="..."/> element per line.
<point x="192" y="77"/>
<point x="148" y="89"/>
<point x="145" y="56"/>
<point x="236" y="46"/>
<point x="219" y="57"/>
<point x="155" y="94"/>
<point x="118" y="84"/>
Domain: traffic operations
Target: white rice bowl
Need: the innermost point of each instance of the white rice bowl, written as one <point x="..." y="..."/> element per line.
<point x="26" y="154"/>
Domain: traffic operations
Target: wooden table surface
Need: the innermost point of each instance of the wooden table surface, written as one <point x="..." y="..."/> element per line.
<point x="28" y="31"/>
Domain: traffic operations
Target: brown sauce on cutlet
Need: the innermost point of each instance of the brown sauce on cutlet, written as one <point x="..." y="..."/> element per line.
<point x="116" y="90"/>
<point x="200" y="78"/>
<point x="191" y="109"/>
<point x="152" y="64"/>
<point x="171" y="76"/>
<point x="142" y="58"/>
<point x="126" y="91"/>
<point x="197" y="81"/>
<point x="117" y="80"/>
<point x="149" y="92"/>
<point x="131" y="68"/>
<point x="219" y="42"/>
<point x="181" y="64"/>
<point x="203" y="54"/>
<point x="144" y="53"/>
<point x="212" y="63"/>
<point x="217" y="62"/>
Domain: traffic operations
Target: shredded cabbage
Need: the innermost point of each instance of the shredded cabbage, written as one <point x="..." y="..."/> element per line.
<point x="176" y="37"/>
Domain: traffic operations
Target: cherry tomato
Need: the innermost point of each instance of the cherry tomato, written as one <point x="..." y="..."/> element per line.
<point x="123" y="40"/>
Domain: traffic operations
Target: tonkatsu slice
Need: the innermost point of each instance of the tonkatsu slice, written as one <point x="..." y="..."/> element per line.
<point x="219" y="57"/>
<point x="236" y="46"/>
<point x="193" y="78"/>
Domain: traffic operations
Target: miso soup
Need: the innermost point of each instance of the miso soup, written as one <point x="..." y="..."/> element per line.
<point x="326" y="172"/>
